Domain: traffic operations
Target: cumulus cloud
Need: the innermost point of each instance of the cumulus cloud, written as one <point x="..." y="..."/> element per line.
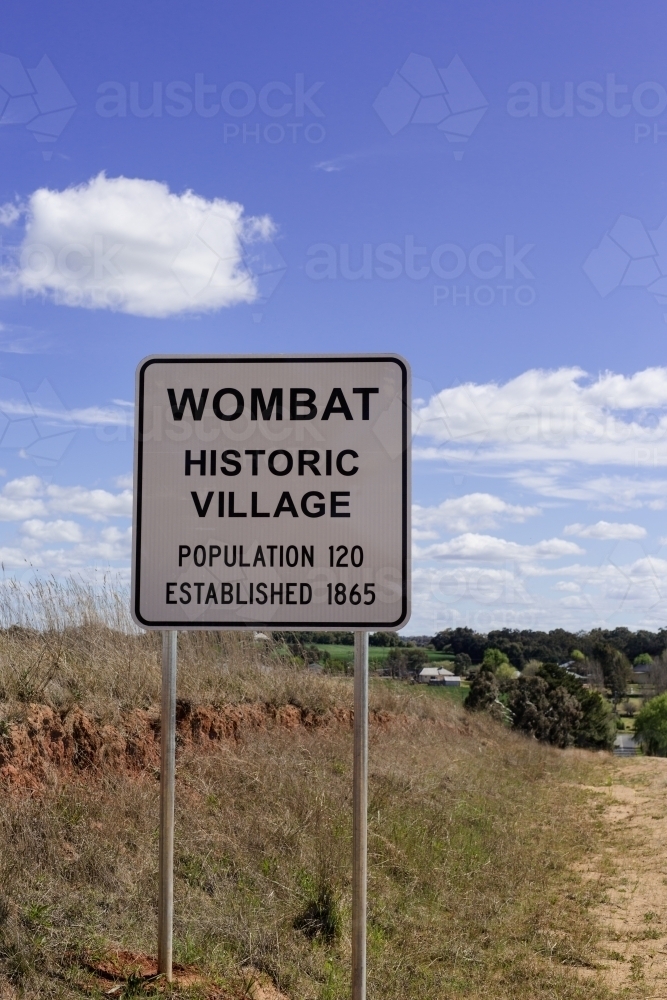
<point x="513" y="595"/>
<point x="606" y="531"/>
<point x="10" y="213"/>
<point x="98" y="505"/>
<point x="21" y="498"/>
<point x="488" y="548"/>
<point x="78" y="550"/>
<point x="549" y="415"/>
<point x="475" y="510"/>
<point x="52" y="531"/>
<point x="30" y="497"/>
<point x="483" y="585"/>
<point x="134" y="246"/>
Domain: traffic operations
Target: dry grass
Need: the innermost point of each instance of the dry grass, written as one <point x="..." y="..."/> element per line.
<point x="66" y="644"/>
<point x="475" y="837"/>
<point x="73" y="644"/>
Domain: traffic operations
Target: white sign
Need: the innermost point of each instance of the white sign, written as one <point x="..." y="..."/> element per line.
<point x="272" y="491"/>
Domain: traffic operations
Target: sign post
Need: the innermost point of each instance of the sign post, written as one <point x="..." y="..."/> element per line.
<point x="360" y="816"/>
<point x="271" y="492"/>
<point x="167" y="801"/>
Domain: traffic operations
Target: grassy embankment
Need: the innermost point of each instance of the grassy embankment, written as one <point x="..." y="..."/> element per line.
<point x="475" y="833"/>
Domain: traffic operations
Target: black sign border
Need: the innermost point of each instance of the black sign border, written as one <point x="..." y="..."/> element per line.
<point x="272" y="624"/>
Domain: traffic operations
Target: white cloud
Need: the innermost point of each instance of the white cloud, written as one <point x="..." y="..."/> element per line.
<point x="487" y="548"/>
<point x="113" y="544"/>
<point x="609" y="492"/>
<point x="21" y="498"/>
<point x="24" y="488"/>
<point x="95" y="504"/>
<point x="10" y="213"/>
<point x="475" y="510"/>
<point x="89" y="416"/>
<point x="514" y="595"/>
<point x="30" y="497"/>
<point x="606" y="530"/>
<point x="52" y="531"/>
<point x="483" y="585"/>
<point x="133" y="246"/>
<point x="550" y="415"/>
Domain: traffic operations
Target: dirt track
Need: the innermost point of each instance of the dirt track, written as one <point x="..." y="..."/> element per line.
<point x="633" y="869"/>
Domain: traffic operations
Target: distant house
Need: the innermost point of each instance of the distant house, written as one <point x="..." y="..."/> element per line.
<point x="570" y="666"/>
<point x="438" y="675"/>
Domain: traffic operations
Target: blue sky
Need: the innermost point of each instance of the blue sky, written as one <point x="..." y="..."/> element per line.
<point x="480" y="188"/>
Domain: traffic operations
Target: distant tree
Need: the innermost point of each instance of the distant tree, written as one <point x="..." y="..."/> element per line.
<point x="462" y="664"/>
<point x="405" y="661"/>
<point x="494" y="658"/>
<point x="616" y="669"/>
<point x="509" y="642"/>
<point x="657" y="675"/>
<point x="385" y="639"/>
<point x="415" y="659"/>
<point x="577" y="656"/>
<point x="643" y="660"/>
<point x="506" y="672"/>
<point x="591" y="670"/>
<point x="461" y="640"/>
<point x="651" y="726"/>
<point x="558" y="645"/>
<point x="395" y="662"/>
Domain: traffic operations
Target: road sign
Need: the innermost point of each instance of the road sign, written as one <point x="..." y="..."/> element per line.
<point x="272" y="491"/>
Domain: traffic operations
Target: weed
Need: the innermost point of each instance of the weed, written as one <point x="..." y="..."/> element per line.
<point x="637" y="968"/>
<point x="321" y="915"/>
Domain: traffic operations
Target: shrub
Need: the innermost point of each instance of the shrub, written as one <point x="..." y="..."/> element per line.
<point x="550" y="714"/>
<point x="548" y="703"/>
<point x="651" y="726"/>
<point x="483" y="691"/>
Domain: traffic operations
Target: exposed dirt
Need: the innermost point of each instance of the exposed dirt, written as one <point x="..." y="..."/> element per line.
<point x="46" y="743"/>
<point x="633" y="870"/>
<point x="122" y="969"/>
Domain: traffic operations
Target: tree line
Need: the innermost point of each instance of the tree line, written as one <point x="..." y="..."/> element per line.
<point x="522" y="645"/>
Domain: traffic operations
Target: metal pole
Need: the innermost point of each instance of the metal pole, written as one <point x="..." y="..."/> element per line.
<point x="167" y="796"/>
<point x="360" y="816"/>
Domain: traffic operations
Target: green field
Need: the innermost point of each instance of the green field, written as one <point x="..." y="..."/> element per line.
<point x="376" y="653"/>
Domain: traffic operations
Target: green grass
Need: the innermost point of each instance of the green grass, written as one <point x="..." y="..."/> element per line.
<point x="376" y="654"/>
